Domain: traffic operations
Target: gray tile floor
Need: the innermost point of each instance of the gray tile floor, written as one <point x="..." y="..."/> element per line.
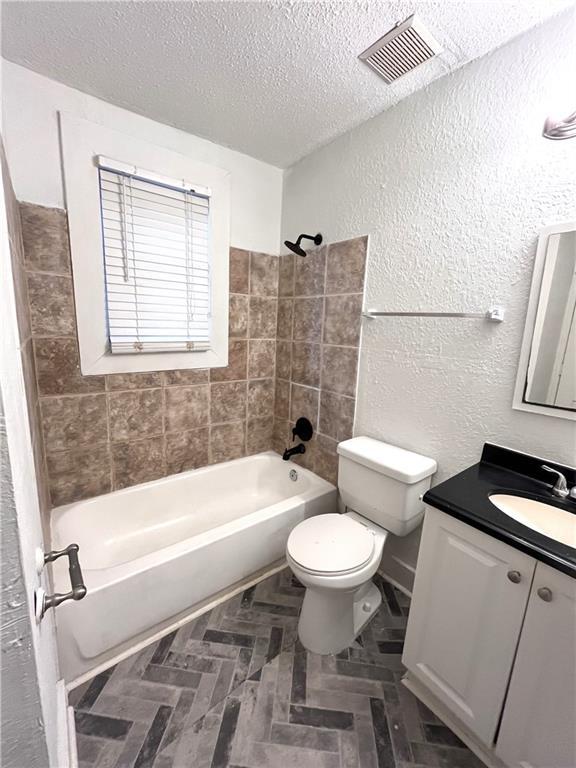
<point x="235" y="689"/>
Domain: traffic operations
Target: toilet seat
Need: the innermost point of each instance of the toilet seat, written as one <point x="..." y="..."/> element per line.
<point x="331" y="544"/>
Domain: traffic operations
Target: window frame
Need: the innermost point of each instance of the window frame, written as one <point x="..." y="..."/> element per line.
<point x="82" y="143"/>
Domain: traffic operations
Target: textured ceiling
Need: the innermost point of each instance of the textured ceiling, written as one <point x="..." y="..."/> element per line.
<point x="275" y="80"/>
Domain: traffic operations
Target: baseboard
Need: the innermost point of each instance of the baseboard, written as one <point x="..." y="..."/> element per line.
<point x="395" y="583"/>
<point x="481" y="751"/>
<point x="72" y="739"/>
<point x="182" y="619"/>
<point x="67" y="755"/>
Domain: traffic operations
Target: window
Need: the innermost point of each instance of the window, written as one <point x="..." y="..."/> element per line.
<point x="149" y="235"/>
<point x="157" y="261"/>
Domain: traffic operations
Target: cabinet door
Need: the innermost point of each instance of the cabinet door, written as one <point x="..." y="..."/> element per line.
<point x="539" y="724"/>
<point x="470" y="595"/>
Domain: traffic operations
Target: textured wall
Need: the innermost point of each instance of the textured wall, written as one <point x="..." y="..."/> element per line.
<point x="102" y="433"/>
<point x="23" y="740"/>
<point x="30" y="106"/>
<point x="452" y="186"/>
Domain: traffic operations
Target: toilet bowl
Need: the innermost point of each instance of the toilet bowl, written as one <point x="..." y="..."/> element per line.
<point x="335" y="555"/>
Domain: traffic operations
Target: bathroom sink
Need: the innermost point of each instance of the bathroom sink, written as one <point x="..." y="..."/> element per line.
<point x="558" y="524"/>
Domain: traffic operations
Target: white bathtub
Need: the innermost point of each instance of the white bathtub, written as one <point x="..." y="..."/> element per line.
<point x="154" y="552"/>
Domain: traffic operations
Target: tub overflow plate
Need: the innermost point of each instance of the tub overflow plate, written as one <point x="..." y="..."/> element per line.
<point x="293" y="475"/>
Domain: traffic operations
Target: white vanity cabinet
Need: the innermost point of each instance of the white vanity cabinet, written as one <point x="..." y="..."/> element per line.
<point x="492" y="637"/>
<point x="539" y="721"/>
<point x="470" y="595"/>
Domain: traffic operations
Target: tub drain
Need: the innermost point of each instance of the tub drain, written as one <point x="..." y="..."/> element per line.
<point x="293" y="475"/>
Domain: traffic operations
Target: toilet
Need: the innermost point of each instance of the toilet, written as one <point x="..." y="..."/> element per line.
<point x="335" y="555"/>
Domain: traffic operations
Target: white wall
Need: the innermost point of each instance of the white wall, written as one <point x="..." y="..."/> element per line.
<point x="30" y="129"/>
<point x="452" y="186"/>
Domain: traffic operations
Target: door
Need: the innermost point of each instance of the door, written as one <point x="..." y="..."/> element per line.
<point x="34" y="715"/>
<point x="470" y="595"/>
<point x="539" y="723"/>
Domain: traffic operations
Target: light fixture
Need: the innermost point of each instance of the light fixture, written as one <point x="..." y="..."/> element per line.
<point x="560" y="129"/>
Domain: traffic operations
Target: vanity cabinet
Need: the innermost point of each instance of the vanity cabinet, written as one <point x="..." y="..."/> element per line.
<point x="492" y="636"/>
<point x="470" y="595"/>
<point x="539" y="721"/>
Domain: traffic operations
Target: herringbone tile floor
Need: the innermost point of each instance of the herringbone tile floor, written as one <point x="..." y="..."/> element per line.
<point x="235" y="689"/>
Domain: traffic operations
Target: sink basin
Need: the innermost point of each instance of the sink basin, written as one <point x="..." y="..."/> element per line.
<point x="556" y="523"/>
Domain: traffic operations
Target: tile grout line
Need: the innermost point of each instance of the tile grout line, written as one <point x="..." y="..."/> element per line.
<point x="164" y="421"/>
<point x="323" y="333"/>
<point x="291" y="355"/>
<point x="271" y="440"/>
<point x="327" y="295"/>
<point x="249" y="337"/>
<point x="109" y="442"/>
<point x="45" y="272"/>
<point x="43" y="449"/>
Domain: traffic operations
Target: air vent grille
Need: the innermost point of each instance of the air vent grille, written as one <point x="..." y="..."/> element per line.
<point x="401" y="50"/>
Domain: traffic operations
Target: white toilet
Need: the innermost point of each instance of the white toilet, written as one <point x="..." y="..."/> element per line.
<point x="335" y="555"/>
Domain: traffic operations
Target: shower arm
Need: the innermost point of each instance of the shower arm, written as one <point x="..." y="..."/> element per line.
<point x="297" y="248"/>
<point x="305" y="237"/>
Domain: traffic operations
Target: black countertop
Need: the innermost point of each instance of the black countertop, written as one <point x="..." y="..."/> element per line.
<point x="500" y="470"/>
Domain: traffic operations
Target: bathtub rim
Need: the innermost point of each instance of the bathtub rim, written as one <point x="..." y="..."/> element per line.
<point x="99" y="578"/>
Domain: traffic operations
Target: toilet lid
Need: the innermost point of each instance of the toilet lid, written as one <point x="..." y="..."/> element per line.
<point x="330" y="544"/>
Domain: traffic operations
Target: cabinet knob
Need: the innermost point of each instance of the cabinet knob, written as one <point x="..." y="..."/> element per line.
<point x="514" y="576"/>
<point x="545" y="594"/>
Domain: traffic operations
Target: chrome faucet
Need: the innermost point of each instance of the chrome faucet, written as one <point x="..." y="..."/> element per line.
<point x="560" y="487"/>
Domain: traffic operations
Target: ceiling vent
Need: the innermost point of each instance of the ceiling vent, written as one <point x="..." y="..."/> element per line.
<point x="401" y="50"/>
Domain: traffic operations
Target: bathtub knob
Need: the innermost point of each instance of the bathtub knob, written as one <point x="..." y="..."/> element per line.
<point x="367" y="607"/>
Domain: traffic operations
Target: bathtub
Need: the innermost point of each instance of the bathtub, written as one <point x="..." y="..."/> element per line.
<point x="153" y="553"/>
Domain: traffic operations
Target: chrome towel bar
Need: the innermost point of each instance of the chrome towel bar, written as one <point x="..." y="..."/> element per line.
<point x="493" y="315"/>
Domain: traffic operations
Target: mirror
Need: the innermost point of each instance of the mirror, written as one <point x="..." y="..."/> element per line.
<point x="547" y="372"/>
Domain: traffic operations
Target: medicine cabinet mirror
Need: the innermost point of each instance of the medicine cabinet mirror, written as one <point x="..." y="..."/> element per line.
<point x="546" y="381"/>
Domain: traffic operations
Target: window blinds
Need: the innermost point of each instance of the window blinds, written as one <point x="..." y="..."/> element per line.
<point x="157" y="261"/>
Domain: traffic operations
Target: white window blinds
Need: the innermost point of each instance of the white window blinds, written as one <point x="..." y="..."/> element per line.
<point x="157" y="261"/>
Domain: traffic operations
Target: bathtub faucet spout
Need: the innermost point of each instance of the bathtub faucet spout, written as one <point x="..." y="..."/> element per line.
<point x="300" y="448"/>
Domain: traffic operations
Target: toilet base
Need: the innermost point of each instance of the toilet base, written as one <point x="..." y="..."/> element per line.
<point x="365" y="606"/>
<point x="330" y="620"/>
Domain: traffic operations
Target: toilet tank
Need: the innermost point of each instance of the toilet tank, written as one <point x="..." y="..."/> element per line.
<point x="384" y="483"/>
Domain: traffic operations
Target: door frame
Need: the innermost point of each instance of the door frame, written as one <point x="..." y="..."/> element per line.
<point x="60" y="741"/>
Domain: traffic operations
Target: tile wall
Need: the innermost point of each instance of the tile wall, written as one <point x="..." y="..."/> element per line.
<point x="294" y="336"/>
<point x="25" y="332"/>
<point x="102" y="433"/>
<point x="318" y="339"/>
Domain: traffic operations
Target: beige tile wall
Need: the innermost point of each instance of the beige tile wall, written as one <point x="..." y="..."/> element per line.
<point x="293" y="351"/>
<point x="103" y="433"/>
<point x="318" y="338"/>
<point x="25" y="332"/>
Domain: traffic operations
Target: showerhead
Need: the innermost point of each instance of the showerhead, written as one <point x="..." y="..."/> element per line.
<point x="296" y="247"/>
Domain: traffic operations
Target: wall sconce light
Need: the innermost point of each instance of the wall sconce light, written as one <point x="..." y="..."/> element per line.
<point x="560" y="129"/>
